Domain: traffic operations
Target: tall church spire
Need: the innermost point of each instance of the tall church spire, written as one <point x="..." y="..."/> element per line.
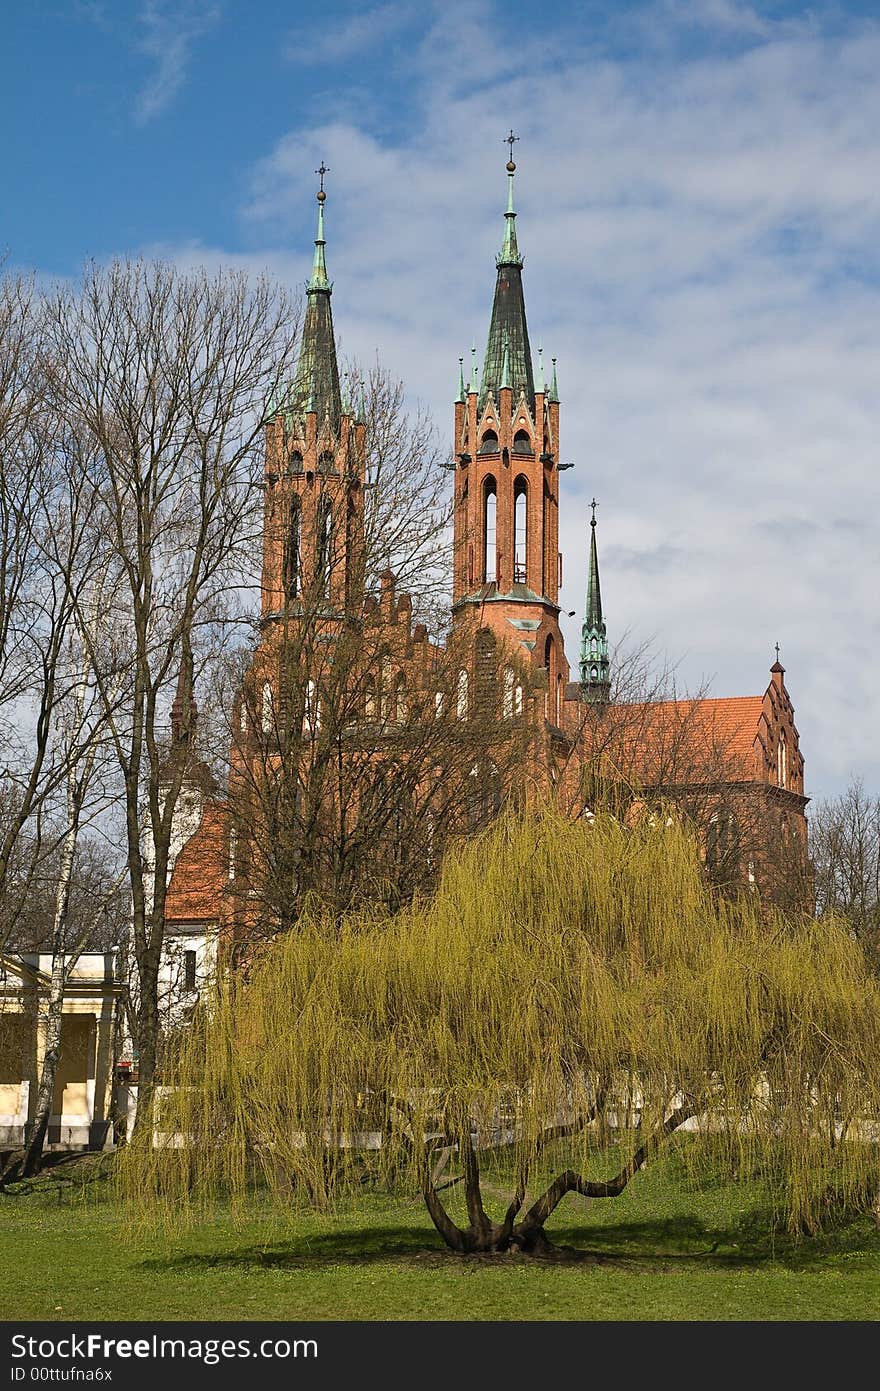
<point x="316" y="385"/>
<point x="595" y="665"/>
<point x="507" y="327"/>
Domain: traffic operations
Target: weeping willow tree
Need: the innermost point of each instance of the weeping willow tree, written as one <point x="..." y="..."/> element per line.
<point x="569" y="998"/>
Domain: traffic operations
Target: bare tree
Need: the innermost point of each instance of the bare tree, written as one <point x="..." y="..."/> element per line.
<point x="163" y="377"/>
<point x="845" y="849"/>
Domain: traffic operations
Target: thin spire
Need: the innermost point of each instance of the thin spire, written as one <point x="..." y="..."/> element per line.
<point x="507" y="326"/>
<point x="316" y="385"/>
<point x="461" y="391"/>
<point x="554" y="389"/>
<point x="474" y="383"/>
<point x="594" y="664"/>
<point x="509" y="254"/>
<point x="319" y="279"/>
<point x="540" y="383"/>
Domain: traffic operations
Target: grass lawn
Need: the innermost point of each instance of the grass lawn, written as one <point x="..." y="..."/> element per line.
<point x="660" y="1251"/>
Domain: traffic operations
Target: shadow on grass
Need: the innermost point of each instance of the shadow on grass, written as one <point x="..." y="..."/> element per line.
<point x="667" y="1243"/>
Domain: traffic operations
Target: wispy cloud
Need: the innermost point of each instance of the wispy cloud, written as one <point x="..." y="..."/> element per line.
<point x="344" y="39"/>
<point x="168" y="30"/>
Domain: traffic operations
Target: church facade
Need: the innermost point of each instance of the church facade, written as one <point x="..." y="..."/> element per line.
<point x="347" y="694"/>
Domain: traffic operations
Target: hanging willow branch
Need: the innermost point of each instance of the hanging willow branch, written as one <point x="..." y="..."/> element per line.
<point x="570" y="996"/>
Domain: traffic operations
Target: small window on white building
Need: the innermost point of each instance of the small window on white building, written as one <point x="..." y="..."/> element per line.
<point x="189" y="970"/>
<point x="233" y="851"/>
<point x="438" y="704"/>
<point x="243" y="717"/>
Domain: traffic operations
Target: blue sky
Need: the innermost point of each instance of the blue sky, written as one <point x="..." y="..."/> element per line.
<point x="699" y="210"/>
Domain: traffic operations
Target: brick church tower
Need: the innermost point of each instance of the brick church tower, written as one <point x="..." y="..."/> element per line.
<point x="507" y="565"/>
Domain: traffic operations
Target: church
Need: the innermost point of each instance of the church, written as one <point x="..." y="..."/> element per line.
<point x="433" y="735"/>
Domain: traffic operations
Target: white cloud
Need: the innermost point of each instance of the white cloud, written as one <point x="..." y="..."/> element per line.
<point x="343" y="39"/>
<point x="169" y="29"/>
<point x="701" y="241"/>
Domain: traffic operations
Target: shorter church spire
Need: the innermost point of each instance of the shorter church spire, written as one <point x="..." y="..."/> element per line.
<point x="595" y="667"/>
<point x="316" y="384"/>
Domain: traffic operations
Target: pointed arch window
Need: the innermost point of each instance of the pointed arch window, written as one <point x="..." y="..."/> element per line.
<point x="267" y="709"/>
<point x="312" y="718"/>
<point x="520" y="529"/>
<point x="781" y="762"/>
<point x="438" y="705"/>
<point x="489" y="442"/>
<point x="324" y="547"/>
<point x="243" y="717"/>
<point x="291" y="565"/>
<point x="509" y="688"/>
<point x="522" y="443"/>
<point x="490" y="531"/>
<point x="295" y="463"/>
<point x="370" y="698"/>
<point x="233" y="851"/>
<point x="461" y="695"/>
<point x="326" y="461"/>
<point x="401" y="704"/>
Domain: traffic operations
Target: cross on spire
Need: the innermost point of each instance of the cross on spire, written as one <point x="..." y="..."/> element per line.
<point x="510" y="140"/>
<point x="594" y="504"/>
<point x="777" y="651"/>
<point x="321" y="172"/>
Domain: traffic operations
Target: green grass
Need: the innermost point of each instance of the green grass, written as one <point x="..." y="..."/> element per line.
<point x="661" y="1251"/>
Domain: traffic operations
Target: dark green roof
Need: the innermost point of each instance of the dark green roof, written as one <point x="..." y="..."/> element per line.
<point x="316" y="384"/>
<point x="508" y="331"/>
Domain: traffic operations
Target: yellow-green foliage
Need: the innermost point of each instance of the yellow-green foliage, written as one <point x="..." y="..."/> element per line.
<point x="558" y="962"/>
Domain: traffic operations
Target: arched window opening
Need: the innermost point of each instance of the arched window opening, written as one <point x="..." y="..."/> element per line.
<point x="243" y="717"/>
<point x="233" y="851"/>
<point x="548" y="666"/>
<point x="312" y="714"/>
<point x="370" y="698"/>
<point x="722" y="845"/>
<point x="490" y="524"/>
<point x="323" y="550"/>
<point x="482" y="795"/>
<point x="295" y="464"/>
<point x="461" y="695"/>
<point x="509" y="688"/>
<point x="401" y="705"/>
<point x="521" y="443"/>
<point x="326" y="461"/>
<point x="520" y="530"/>
<point x="781" y="762"/>
<point x="489" y="443"/>
<point x="268" y="709"/>
<point x="557" y="716"/>
<point x="517" y="701"/>
<point x="292" y="551"/>
<point x="438" y="705"/>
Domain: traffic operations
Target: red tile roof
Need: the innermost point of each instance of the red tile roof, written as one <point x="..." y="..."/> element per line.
<point x="686" y="741"/>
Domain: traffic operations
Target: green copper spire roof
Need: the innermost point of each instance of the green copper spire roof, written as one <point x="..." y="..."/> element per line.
<point x="508" y="331"/>
<point x="554" y="389"/>
<point x="316" y="384"/>
<point x="595" y="666"/>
